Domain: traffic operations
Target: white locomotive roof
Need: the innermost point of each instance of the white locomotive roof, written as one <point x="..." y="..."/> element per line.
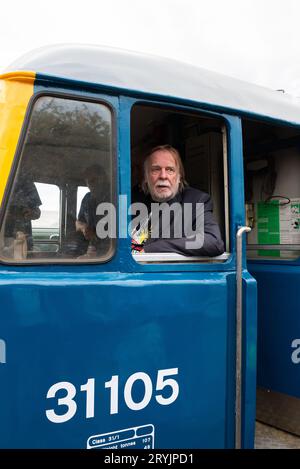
<point x="159" y="76"/>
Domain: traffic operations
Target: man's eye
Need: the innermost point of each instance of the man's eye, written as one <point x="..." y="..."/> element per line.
<point x="170" y="170"/>
<point x="155" y="170"/>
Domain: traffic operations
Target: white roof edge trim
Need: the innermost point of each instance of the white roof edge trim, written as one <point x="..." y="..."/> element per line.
<point x="160" y="76"/>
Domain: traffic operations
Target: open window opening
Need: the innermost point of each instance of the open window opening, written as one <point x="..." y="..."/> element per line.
<point x="272" y="190"/>
<point x="201" y="143"/>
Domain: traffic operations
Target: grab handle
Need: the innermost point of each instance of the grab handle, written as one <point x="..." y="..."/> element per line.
<point x="239" y="322"/>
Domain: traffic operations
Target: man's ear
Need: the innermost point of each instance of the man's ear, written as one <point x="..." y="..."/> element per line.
<point x="144" y="186"/>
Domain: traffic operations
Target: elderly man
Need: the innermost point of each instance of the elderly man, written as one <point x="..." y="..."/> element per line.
<point x="194" y="232"/>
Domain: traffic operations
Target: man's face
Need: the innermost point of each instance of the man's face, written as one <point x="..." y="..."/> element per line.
<point x="162" y="176"/>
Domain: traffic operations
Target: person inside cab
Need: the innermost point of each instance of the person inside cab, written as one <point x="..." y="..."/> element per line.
<point x="171" y="203"/>
<point x="96" y="180"/>
<point x="23" y="208"/>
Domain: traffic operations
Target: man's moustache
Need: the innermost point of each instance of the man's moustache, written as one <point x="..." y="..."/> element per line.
<point x="162" y="184"/>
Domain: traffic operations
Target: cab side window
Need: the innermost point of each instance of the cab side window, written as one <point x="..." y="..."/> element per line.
<point x="192" y="146"/>
<point x="64" y="173"/>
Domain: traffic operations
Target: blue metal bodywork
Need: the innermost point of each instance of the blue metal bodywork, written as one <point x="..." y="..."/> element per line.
<point x="74" y="323"/>
<point x="75" y="326"/>
<point x="278" y="325"/>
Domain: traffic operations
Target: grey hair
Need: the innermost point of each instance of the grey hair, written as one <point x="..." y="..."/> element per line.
<point x="175" y="153"/>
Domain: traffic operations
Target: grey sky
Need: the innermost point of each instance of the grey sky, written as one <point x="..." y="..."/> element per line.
<point x="255" y="40"/>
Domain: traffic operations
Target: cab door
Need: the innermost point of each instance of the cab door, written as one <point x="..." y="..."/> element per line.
<point x="186" y="313"/>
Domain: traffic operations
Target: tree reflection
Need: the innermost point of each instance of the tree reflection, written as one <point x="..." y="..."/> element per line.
<point x="69" y="123"/>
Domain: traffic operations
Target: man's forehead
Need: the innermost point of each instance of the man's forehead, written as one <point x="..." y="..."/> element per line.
<point x="162" y="157"/>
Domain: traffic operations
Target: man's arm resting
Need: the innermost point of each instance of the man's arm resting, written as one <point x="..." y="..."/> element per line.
<point x="207" y="242"/>
<point x="212" y="246"/>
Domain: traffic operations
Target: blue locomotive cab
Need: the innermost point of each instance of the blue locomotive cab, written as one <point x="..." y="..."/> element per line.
<point x="105" y="346"/>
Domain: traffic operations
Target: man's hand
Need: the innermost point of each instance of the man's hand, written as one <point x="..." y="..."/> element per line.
<point x="88" y="232"/>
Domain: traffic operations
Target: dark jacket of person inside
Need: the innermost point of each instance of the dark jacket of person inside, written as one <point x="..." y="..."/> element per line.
<point x="97" y="182"/>
<point x="23" y="207"/>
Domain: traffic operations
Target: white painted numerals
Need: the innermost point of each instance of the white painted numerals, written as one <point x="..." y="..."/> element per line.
<point x="67" y="401"/>
<point x="68" y="391"/>
<point x="162" y="383"/>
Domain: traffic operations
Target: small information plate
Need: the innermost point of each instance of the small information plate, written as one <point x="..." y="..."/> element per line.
<point x="130" y="438"/>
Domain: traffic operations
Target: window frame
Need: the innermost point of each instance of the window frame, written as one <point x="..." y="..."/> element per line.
<point x="169" y="259"/>
<point x="85" y="98"/>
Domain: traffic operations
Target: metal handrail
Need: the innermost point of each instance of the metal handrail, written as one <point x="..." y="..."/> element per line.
<point x="239" y="321"/>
